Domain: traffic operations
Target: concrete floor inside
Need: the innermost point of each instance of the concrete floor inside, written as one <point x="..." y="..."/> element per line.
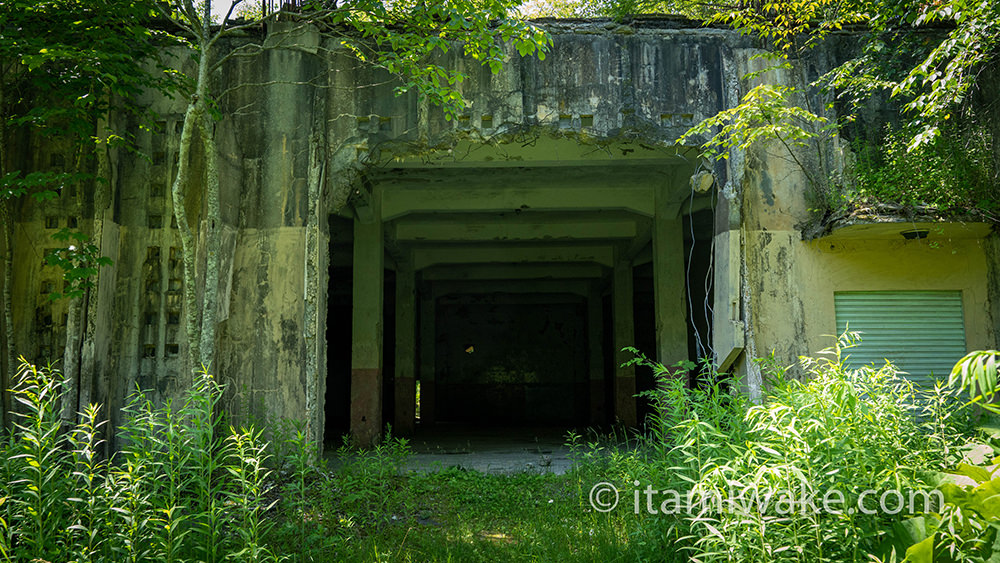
<point x="490" y="449"/>
<point x="500" y="450"/>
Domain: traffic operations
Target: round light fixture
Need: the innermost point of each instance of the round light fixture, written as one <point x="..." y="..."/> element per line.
<point x="915" y="234"/>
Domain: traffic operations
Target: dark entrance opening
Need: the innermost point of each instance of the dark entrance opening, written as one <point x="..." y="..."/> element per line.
<point x="505" y="359"/>
<point x="339" y="328"/>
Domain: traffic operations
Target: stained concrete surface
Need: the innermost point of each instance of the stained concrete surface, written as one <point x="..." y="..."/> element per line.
<point x="498" y="450"/>
<point x="490" y="449"/>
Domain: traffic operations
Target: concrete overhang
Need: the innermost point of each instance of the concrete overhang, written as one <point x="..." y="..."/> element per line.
<point x="545" y="150"/>
<point x="893" y="230"/>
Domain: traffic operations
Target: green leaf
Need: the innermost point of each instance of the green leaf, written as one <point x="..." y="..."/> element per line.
<point x="977" y="474"/>
<point x="922" y="552"/>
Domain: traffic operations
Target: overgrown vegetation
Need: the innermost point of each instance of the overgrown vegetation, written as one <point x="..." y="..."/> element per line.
<point x="766" y="470"/>
<point x="952" y="174"/>
<point x="184" y="487"/>
<point x="187" y="487"/>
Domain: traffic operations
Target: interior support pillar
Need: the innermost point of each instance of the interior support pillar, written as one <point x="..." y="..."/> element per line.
<point x="622" y="316"/>
<point x="427" y="351"/>
<point x="406" y="348"/>
<point x="366" y="343"/>
<point x="669" y="289"/>
<point x="595" y="341"/>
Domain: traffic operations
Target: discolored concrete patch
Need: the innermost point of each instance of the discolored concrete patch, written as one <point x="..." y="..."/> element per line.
<point x="490" y="450"/>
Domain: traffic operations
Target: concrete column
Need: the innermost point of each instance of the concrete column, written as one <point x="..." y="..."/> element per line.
<point x="427" y="351"/>
<point x="366" y="344"/>
<point x="669" y="289"/>
<point x="595" y="333"/>
<point x="622" y="315"/>
<point x="406" y="348"/>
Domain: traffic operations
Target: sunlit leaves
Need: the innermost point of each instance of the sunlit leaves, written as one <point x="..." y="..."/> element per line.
<point x="786" y="24"/>
<point x="764" y="114"/>
<point x="951" y="173"/>
<point x="976" y="374"/>
<point x="79" y="261"/>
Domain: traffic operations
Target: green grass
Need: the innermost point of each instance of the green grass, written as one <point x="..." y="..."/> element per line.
<point x="188" y="487"/>
<point x="360" y="513"/>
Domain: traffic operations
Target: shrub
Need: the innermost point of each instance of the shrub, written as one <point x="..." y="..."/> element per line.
<point x="837" y="430"/>
<point x="952" y="174"/>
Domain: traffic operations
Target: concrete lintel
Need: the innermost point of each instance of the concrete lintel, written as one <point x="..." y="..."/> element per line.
<point x="549" y="151"/>
<point x="430" y="256"/>
<point x="476" y="272"/>
<point x="457" y="229"/>
<point x="401" y="200"/>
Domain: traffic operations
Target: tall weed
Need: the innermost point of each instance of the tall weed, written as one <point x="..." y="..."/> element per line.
<point x="836" y="430"/>
<point x="183" y="487"/>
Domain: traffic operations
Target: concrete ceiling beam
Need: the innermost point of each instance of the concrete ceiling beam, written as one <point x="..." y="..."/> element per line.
<point x="578" y="287"/>
<point x="424" y="257"/>
<point x="398" y="201"/>
<point x="479" y="272"/>
<point x="547" y="151"/>
<point x="452" y="229"/>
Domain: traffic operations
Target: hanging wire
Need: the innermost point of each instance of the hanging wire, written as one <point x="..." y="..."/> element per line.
<point x="703" y="347"/>
<point x="699" y="346"/>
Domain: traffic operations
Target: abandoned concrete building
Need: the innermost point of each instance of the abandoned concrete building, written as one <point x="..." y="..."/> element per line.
<point x="494" y="265"/>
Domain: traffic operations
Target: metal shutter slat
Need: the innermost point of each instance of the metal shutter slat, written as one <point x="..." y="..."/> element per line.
<point x="921" y="332"/>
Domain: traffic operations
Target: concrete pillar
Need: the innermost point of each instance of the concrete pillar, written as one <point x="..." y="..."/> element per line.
<point x="669" y="289"/>
<point x="595" y="340"/>
<point x="406" y="349"/>
<point x="427" y="351"/>
<point x="622" y="316"/>
<point x="366" y="344"/>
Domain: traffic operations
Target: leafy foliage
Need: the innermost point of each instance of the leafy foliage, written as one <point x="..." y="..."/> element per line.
<point x="64" y="63"/>
<point x="764" y="114"/>
<point x="79" y="262"/>
<point x="933" y="88"/>
<point x="927" y="57"/>
<point x="834" y="430"/>
<point x="952" y="173"/>
<point x="976" y="374"/>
